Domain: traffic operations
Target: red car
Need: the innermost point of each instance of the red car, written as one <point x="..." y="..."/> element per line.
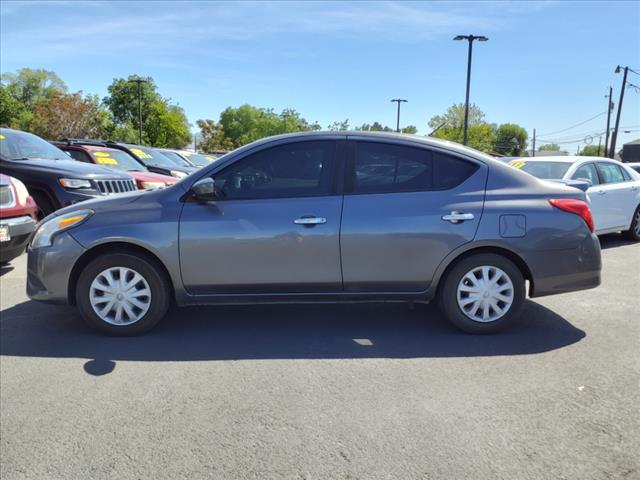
<point x="118" y="159"/>
<point x="17" y="217"/>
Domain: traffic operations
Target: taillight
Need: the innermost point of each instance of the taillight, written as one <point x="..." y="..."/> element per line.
<point x="577" y="207"/>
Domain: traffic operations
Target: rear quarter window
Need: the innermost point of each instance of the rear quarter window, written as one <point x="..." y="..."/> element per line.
<point x="388" y="168"/>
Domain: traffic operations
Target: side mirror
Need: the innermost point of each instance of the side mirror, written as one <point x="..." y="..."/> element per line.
<point x="585" y="180"/>
<point x="204" y="190"/>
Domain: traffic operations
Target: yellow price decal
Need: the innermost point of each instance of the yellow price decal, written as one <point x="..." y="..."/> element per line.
<point x="1" y="137"/>
<point x="140" y="153"/>
<point x="517" y="164"/>
<point x="101" y="154"/>
<point x="107" y="161"/>
<point x="209" y="158"/>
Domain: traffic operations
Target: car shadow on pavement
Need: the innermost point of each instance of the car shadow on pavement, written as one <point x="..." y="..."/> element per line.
<point x="33" y="329"/>
<point x="613" y="240"/>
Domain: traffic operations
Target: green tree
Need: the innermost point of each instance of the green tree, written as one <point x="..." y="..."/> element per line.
<point x="22" y="91"/>
<point x="167" y="126"/>
<point x="164" y="124"/>
<point x="247" y="123"/>
<point x="480" y="136"/>
<point x="454" y="116"/>
<point x="412" y="129"/>
<point x="549" y="147"/>
<point x="374" y="127"/>
<point x="510" y="140"/>
<point x="592" y="151"/>
<point x="30" y="86"/>
<point x="10" y="108"/>
<point x="339" y="126"/>
<point x="212" y="136"/>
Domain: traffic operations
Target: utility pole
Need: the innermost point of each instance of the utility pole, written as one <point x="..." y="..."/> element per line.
<point x="614" y="136"/>
<point x="609" y="108"/>
<point x="470" y="39"/>
<point x="139" y="81"/>
<point x="398" y="101"/>
<point x="533" y="147"/>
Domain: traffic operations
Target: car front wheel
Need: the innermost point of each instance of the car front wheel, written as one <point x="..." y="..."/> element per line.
<point x="634" y="232"/>
<point x="122" y="294"/>
<point x="483" y="293"/>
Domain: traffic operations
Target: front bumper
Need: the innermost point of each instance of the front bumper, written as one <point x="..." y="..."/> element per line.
<point x="20" y="230"/>
<point x="49" y="269"/>
<point x="561" y="271"/>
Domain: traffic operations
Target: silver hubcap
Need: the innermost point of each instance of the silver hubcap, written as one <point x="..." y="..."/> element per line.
<point x="120" y="296"/>
<point x="485" y="294"/>
<point x="637" y="223"/>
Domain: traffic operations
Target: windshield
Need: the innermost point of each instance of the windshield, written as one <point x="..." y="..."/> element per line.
<point x="199" y="160"/>
<point x="546" y="170"/>
<point x="149" y="156"/>
<point x="117" y="159"/>
<point x="176" y="158"/>
<point x="21" y="145"/>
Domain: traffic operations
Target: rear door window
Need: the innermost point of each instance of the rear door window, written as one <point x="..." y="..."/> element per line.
<point x="385" y="168"/>
<point x="587" y="171"/>
<point x="610" y="173"/>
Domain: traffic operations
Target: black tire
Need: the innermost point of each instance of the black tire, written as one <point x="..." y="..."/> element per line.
<point x="45" y="206"/>
<point x="148" y="269"/>
<point x="448" y="293"/>
<point x="633" y="233"/>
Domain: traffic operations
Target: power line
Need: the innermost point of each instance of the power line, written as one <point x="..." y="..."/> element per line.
<point x="576" y="125"/>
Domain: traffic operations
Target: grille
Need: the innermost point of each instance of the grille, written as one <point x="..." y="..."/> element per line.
<point x="115" y="186"/>
<point x="6" y="196"/>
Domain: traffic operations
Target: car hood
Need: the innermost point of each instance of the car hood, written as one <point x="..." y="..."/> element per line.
<point x="152" y="177"/>
<point x="71" y="168"/>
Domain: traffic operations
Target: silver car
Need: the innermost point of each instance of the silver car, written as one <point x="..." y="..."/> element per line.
<point x="322" y="217"/>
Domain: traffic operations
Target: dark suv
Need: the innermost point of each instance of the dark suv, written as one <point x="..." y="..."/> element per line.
<point x="53" y="179"/>
<point x="154" y="160"/>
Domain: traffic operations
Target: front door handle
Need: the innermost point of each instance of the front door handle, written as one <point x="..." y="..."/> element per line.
<point x="601" y="192"/>
<point x="310" y="221"/>
<point x="457" y="217"/>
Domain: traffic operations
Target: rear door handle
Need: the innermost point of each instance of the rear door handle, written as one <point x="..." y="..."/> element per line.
<point x="601" y="192"/>
<point x="458" y="217"/>
<point x="310" y="221"/>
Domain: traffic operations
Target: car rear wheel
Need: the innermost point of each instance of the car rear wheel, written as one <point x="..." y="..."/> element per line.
<point x="122" y="294"/>
<point x="634" y="232"/>
<point x="483" y="293"/>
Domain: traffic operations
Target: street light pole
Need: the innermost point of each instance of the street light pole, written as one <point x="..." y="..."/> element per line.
<point x="614" y="136"/>
<point x="470" y="39"/>
<point x="139" y="81"/>
<point x="398" y="101"/>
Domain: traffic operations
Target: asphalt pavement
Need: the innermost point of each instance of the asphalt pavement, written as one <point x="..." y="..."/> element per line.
<point x="326" y="391"/>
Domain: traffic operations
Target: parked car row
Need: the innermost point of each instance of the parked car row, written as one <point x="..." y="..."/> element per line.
<point x="41" y="177"/>
<point x="613" y="188"/>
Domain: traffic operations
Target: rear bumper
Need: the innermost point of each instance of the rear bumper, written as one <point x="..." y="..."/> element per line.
<point x="20" y="229"/>
<point x="49" y="269"/>
<point x="561" y="271"/>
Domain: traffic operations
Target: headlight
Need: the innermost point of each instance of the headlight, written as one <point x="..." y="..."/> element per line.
<point x="45" y="232"/>
<point x="75" y="183"/>
<point x="175" y="173"/>
<point x="148" y="185"/>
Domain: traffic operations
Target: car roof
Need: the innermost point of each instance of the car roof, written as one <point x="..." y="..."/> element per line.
<point x="392" y="137"/>
<point x="567" y="159"/>
<point x="91" y="148"/>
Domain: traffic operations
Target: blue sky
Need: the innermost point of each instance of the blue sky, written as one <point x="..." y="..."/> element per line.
<point x="547" y="65"/>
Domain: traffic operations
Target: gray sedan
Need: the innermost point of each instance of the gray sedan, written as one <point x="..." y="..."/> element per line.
<point x="322" y="217"/>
